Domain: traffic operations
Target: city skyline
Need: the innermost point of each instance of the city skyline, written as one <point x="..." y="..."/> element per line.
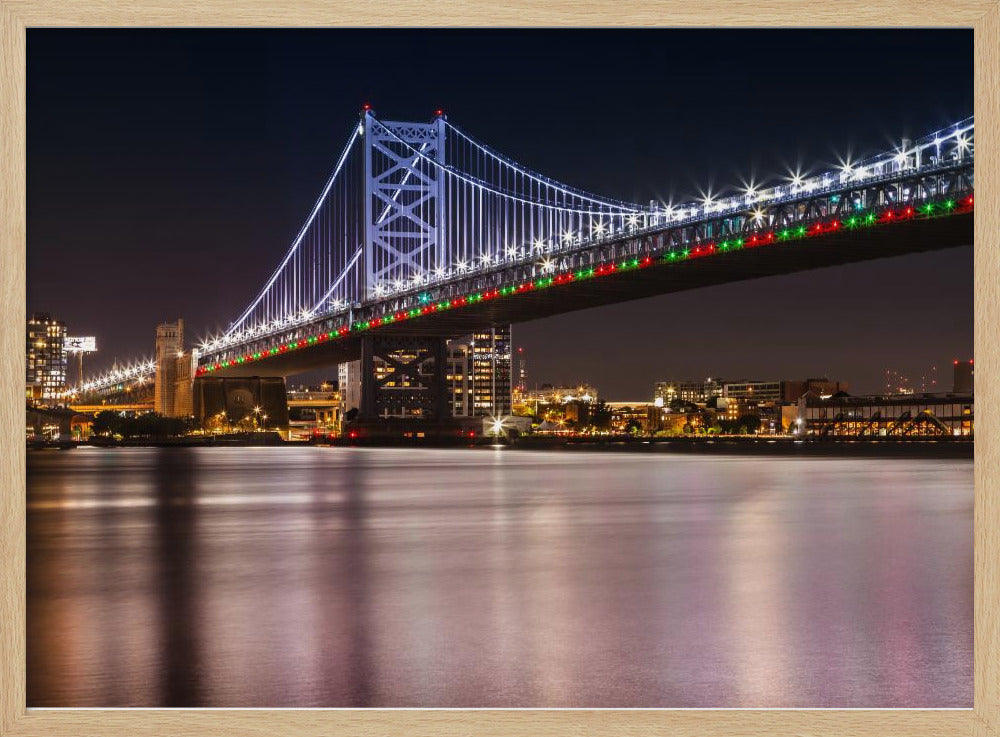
<point x="175" y="189"/>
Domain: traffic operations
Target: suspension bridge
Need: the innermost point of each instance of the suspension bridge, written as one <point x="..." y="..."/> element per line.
<point x="423" y="233"/>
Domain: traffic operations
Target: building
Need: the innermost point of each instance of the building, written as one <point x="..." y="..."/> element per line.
<point x="349" y="382"/>
<point x="753" y="392"/>
<point x="169" y="347"/>
<point x="45" y="358"/>
<point x="887" y="416"/>
<point x="695" y="391"/>
<point x="741" y="392"/>
<point x="459" y="377"/>
<point x="963" y="383"/>
<point x="491" y="372"/>
<point x="640" y="417"/>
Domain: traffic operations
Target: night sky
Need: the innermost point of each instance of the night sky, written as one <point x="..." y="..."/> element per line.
<point x="168" y="172"/>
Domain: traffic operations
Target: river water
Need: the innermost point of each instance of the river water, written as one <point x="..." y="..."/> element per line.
<point x="346" y="577"/>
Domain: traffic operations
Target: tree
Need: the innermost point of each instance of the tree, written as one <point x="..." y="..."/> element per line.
<point x="600" y="416"/>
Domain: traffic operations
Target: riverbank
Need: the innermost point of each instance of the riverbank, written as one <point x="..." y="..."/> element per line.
<point x="758" y="446"/>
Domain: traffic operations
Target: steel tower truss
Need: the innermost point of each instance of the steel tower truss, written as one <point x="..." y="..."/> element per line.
<point x="404" y="200"/>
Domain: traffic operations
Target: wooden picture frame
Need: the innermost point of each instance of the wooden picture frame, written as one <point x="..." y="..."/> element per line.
<point x="18" y="15"/>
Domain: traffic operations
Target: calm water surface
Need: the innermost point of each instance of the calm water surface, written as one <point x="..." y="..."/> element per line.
<point x="393" y="577"/>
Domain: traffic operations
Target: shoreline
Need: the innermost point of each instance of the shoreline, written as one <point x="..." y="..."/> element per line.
<point x="788" y="447"/>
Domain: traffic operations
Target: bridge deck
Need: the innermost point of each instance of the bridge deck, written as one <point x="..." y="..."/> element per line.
<point x="749" y="263"/>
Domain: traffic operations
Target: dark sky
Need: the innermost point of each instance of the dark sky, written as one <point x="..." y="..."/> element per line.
<point x="169" y="170"/>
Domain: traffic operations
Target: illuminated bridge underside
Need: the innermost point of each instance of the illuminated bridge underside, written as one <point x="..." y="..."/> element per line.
<point x="658" y="277"/>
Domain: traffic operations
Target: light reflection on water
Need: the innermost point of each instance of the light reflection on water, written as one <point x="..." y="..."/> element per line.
<point x="393" y="577"/>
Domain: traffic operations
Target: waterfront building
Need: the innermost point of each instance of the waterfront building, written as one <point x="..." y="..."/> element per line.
<point x="491" y="372"/>
<point x="740" y="393"/>
<point x="753" y="392"/>
<point x="45" y="358"/>
<point x="643" y="417"/>
<point x="887" y="416"/>
<point x="696" y="391"/>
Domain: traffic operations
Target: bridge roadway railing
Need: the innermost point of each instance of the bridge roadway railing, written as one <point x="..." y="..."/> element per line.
<point x="866" y="201"/>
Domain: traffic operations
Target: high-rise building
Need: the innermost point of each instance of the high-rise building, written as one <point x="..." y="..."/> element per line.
<point x="45" y="357"/>
<point x="459" y="377"/>
<point x="169" y="347"/>
<point x="491" y="372"/>
<point x="964" y="376"/>
<point x="349" y="381"/>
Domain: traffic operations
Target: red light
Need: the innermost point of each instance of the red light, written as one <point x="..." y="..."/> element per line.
<point x="352" y="434"/>
<point x="439" y="113"/>
<point x="956" y="362"/>
<point x="366" y="107"/>
<point x="472" y="434"/>
<point x="969" y="201"/>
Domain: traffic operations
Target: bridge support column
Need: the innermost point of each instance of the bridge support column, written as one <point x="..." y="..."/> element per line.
<point x="403" y="376"/>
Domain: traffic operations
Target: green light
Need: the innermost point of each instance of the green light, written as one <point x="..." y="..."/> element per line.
<point x="870" y="218"/>
<point x="784" y="234"/>
<point x="928" y="208"/>
<point x="950" y="204"/>
<point x="801" y="230"/>
<point x="686" y="253"/>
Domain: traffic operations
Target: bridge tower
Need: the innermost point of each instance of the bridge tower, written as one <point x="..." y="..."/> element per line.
<point x="404" y="199"/>
<point x="405" y="220"/>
